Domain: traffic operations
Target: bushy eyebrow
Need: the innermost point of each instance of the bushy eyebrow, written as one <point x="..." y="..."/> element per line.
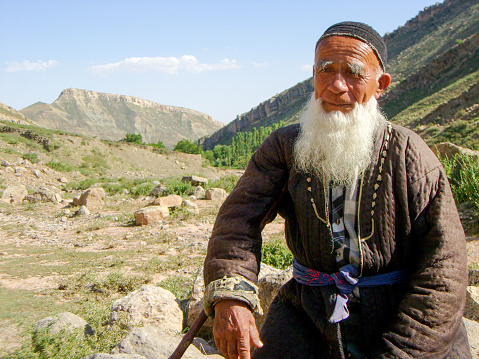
<point x="356" y="68"/>
<point x="321" y="64"/>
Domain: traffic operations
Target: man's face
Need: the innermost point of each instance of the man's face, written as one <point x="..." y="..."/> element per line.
<point x="345" y="73"/>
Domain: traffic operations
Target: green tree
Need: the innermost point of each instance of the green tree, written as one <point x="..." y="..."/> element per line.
<point x="186" y="146"/>
<point x="133" y="138"/>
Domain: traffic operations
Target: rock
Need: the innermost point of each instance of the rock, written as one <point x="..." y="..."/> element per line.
<point x="199" y="192"/>
<point x="472" y="328"/>
<point x="268" y="287"/>
<point x="64" y="321"/>
<point x="158" y="191"/>
<point x="449" y="150"/>
<point x="37" y="173"/>
<point x="44" y="194"/>
<point x="114" y="356"/>
<point x="473" y="277"/>
<point x="190" y="206"/>
<point x="14" y="194"/>
<point x="20" y="169"/>
<point x="5" y="163"/>
<point x="172" y="200"/>
<point x="9" y="170"/>
<point x="472" y="303"/>
<point x="62" y="180"/>
<point x="149" y="305"/>
<point x="216" y="194"/>
<point x="152" y="343"/>
<point x="203" y="346"/>
<point x="83" y="211"/>
<point x="151" y="214"/>
<point x="195" y="180"/>
<point x="93" y="198"/>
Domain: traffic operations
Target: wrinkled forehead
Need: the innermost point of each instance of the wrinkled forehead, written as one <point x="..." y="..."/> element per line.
<point x="345" y="49"/>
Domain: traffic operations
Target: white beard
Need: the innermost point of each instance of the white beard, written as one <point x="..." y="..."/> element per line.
<point x="337" y="145"/>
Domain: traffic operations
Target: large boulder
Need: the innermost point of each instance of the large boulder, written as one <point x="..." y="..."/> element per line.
<point x="472" y="328"/>
<point x="449" y="150"/>
<point x="64" y="321"/>
<point x="151" y="214"/>
<point x="152" y="343"/>
<point x="195" y="180"/>
<point x="114" y="356"/>
<point x="216" y="194"/>
<point x="149" y="305"/>
<point x="173" y="200"/>
<point x="199" y="192"/>
<point x="14" y="194"/>
<point x="472" y="303"/>
<point x="93" y="198"/>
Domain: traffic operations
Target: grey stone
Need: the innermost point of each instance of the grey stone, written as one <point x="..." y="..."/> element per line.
<point x="190" y="206"/>
<point x="149" y="305"/>
<point x="152" y="343"/>
<point x="83" y="211"/>
<point x="114" y="356"/>
<point x="158" y="191"/>
<point x="216" y="194"/>
<point x="195" y="180"/>
<point x="37" y="173"/>
<point x="5" y="163"/>
<point x="199" y="192"/>
<point x="472" y="303"/>
<point x="472" y="328"/>
<point x="64" y="321"/>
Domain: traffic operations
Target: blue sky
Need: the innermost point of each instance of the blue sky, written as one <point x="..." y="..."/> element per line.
<point x="221" y="57"/>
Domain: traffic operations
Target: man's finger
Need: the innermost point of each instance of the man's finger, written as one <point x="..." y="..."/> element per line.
<point x="232" y="350"/>
<point x="254" y="337"/>
<point x="244" y="347"/>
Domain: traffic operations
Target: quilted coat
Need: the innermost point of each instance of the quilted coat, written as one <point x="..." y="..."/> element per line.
<point x="407" y="219"/>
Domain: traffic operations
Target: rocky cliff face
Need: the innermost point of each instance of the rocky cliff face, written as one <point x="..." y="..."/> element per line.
<point x="266" y="113"/>
<point x="9" y="114"/>
<point x="110" y="117"/>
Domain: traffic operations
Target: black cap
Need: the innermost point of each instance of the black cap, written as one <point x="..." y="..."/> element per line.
<point x="361" y="32"/>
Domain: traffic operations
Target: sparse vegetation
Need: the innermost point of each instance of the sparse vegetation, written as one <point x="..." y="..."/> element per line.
<point x="463" y="174"/>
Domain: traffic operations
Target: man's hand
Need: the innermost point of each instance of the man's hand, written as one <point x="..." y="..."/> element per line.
<point x="234" y="329"/>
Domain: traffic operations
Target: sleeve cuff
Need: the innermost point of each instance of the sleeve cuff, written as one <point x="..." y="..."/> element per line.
<point x="238" y="288"/>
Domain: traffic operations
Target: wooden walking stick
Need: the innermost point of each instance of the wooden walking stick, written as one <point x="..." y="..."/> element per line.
<point x="189" y="336"/>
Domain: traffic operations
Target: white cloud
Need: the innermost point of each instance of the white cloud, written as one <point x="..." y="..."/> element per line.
<point x="30" y="66"/>
<point x="168" y="65"/>
<point x="307" y="68"/>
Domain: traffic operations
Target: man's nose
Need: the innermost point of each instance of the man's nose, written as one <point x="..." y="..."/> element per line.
<point x="338" y="83"/>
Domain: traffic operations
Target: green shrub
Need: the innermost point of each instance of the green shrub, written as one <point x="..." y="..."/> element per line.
<point x="82" y="185"/>
<point x="133" y="138"/>
<point x="60" y="166"/>
<point x="276" y="254"/>
<point x="144" y="189"/>
<point x="227" y="182"/>
<point x="32" y="157"/>
<point x="463" y="174"/>
<point x="187" y="146"/>
<point x="177" y="186"/>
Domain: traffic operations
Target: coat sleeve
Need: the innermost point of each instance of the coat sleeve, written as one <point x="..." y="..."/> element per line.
<point x="234" y="248"/>
<point x="430" y="313"/>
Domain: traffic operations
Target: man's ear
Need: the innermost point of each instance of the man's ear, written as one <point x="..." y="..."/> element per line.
<point x="383" y="82"/>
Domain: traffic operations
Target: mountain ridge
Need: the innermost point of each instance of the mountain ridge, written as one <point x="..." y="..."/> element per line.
<point x="111" y="116"/>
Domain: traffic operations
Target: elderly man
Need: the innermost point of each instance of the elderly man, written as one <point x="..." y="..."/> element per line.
<point x="380" y="267"/>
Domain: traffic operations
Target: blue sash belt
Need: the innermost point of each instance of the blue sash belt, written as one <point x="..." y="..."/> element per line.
<point x="345" y="281"/>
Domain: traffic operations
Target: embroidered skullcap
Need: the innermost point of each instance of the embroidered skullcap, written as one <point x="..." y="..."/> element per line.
<point x="361" y="32"/>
